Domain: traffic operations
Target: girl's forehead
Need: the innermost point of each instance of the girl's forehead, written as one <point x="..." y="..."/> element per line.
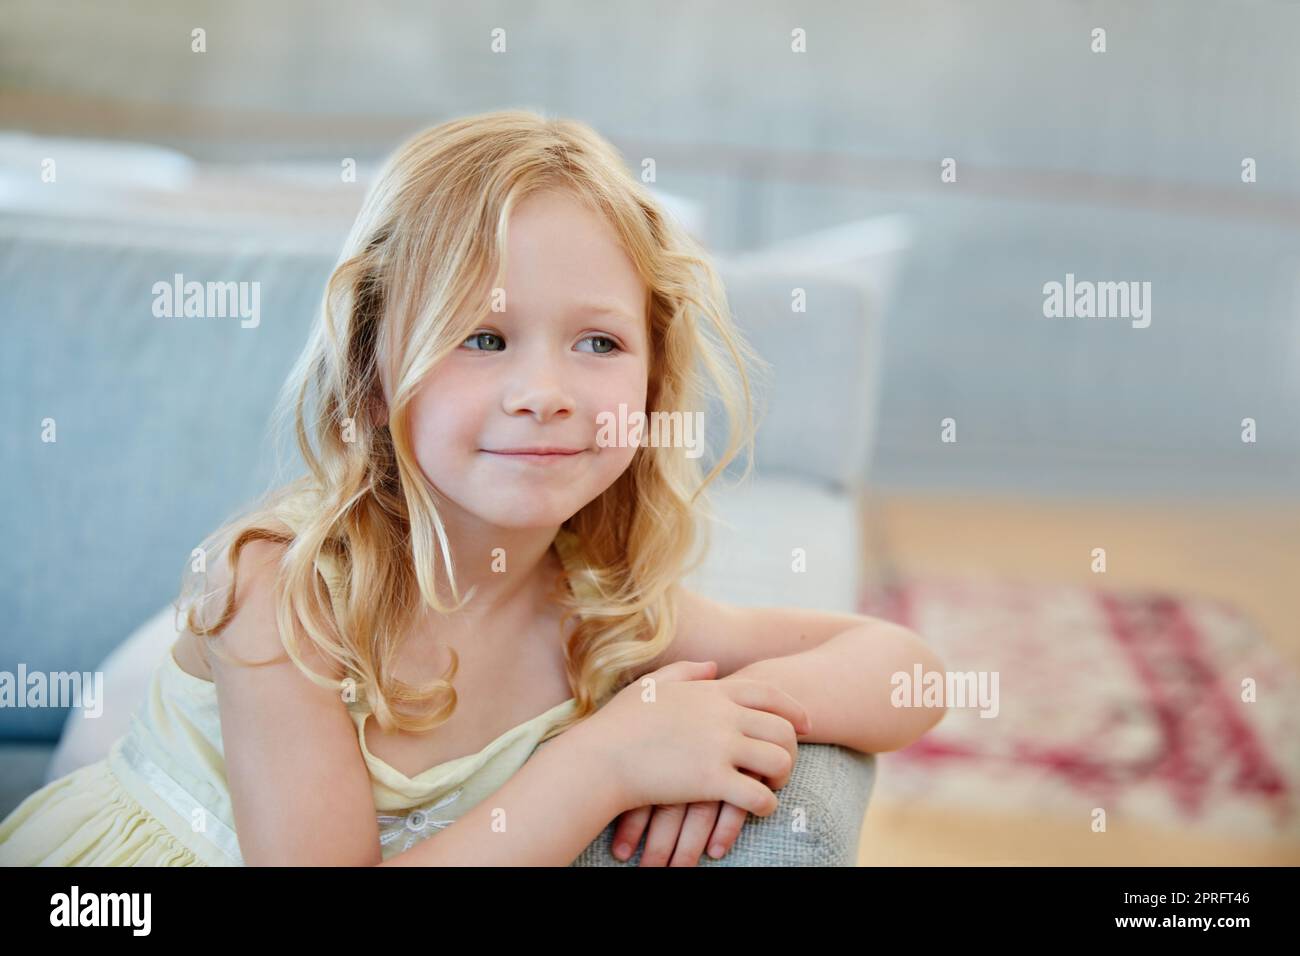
<point x="572" y="265"/>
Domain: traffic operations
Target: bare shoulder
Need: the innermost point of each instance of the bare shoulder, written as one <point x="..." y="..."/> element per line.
<point x="253" y="633"/>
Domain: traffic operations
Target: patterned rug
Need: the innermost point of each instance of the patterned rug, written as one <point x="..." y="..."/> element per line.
<point x="1128" y="702"/>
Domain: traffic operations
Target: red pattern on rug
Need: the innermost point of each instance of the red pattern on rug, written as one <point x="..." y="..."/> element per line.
<point x="1131" y="702"/>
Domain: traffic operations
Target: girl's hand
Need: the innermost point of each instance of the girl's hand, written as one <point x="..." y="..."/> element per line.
<point x="697" y="740"/>
<point x="679" y="833"/>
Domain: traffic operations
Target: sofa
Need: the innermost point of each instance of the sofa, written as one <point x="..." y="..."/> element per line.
<point x="161" y="436"/>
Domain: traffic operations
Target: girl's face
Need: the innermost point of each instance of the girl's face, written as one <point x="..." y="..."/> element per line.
<point x="571" y="343"/>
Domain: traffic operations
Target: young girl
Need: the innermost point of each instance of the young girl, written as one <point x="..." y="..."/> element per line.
<point x="443" y="628"/>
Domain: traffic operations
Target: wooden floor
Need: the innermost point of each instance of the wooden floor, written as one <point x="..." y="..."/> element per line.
<point x="1248" y="554"/>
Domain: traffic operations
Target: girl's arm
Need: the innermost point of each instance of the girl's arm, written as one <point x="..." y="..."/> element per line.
<point x="839" y="666"/>
<point x="845" y="685"/>
<point x="298" y="784"/>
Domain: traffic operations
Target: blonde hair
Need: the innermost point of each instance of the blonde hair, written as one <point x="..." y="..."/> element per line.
<point x="412" y="283"/>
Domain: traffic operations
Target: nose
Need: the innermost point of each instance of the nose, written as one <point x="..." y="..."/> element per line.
<point x="536" y="388"/>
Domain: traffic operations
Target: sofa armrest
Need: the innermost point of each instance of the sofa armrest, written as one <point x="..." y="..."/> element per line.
<point x="818" y="821"/>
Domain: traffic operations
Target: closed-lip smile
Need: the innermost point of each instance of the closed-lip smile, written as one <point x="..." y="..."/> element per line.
<point x="539" y="453"/>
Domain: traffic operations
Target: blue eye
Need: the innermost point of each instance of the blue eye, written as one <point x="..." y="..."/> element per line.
<point x="478" y="337"/>
<point x="613" y="346"/>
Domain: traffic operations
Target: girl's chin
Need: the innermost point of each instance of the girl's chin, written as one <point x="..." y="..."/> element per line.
<point x="525" y="518"/>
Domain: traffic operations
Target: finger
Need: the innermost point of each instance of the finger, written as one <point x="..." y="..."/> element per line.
<point x="761" y="725"/>
<point x="730" y="821"/>
<point x="627" y="834"/>
<point x="770" y="761"/>
<point x="750" y="794"/>
<point x="686" y="670"/>
<point x="661" y="838"/>
<point x="700" y="818"/>
<point x="760" y="695"/>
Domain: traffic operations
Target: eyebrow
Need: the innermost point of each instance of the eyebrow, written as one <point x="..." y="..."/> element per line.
<point x="599" y="307"/>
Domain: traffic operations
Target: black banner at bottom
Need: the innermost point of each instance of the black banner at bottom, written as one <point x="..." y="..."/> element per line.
<point x="347" y="906"/>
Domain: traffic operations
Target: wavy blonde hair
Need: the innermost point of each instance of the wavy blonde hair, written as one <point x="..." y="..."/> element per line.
<point x="363" y="537"/>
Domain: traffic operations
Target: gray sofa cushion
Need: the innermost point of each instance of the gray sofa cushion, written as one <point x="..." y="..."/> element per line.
<point x="22" y="771"/>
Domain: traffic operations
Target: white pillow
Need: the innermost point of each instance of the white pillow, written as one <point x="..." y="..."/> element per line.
<point x="127" y="672"/>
